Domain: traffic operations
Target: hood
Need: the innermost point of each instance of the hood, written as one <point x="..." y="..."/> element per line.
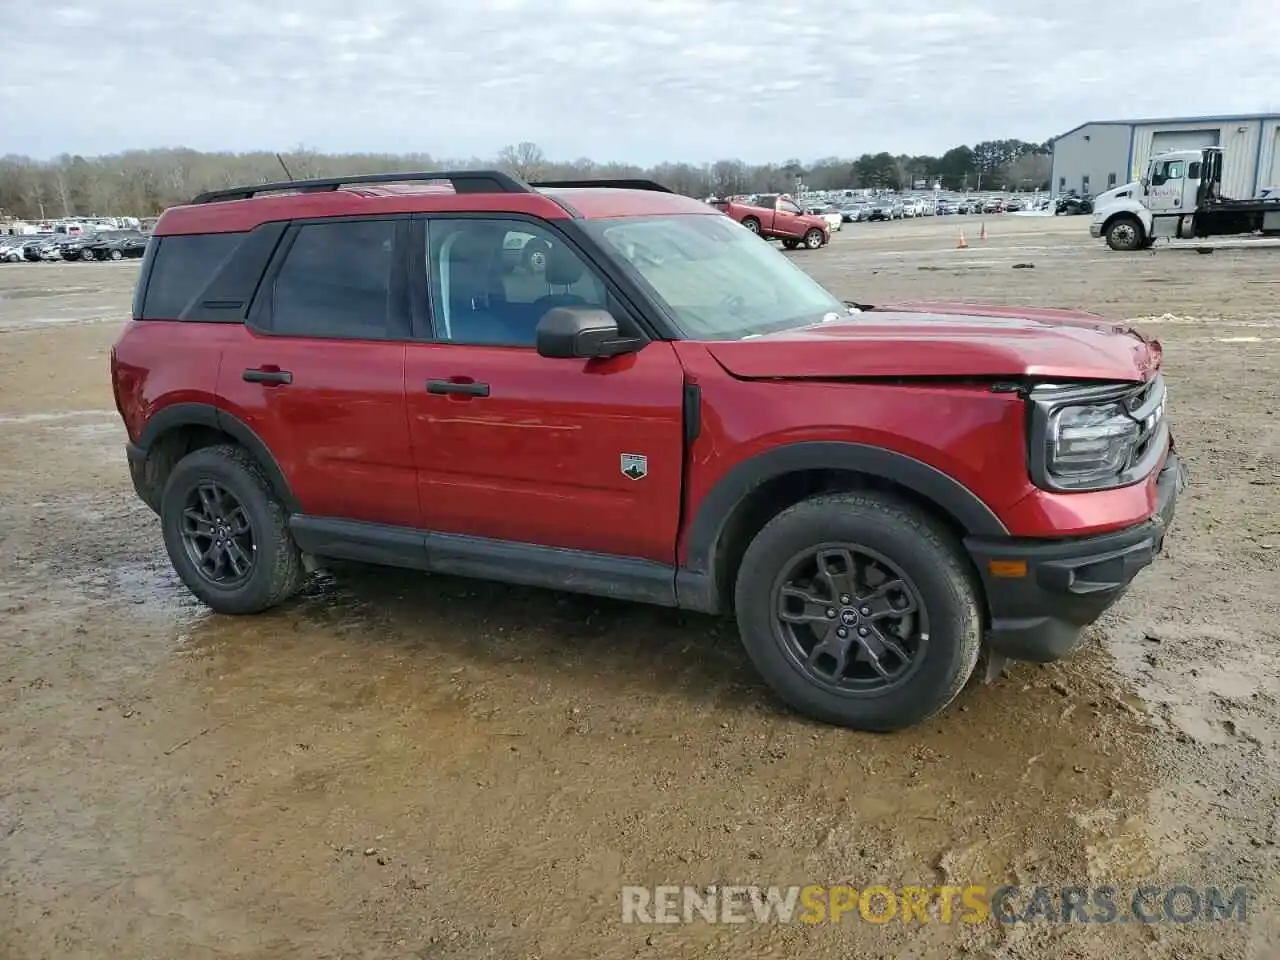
<point x="948" y="340"/>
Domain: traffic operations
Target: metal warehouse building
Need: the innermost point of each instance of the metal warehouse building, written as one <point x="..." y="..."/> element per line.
<point x="1102" y="154"/>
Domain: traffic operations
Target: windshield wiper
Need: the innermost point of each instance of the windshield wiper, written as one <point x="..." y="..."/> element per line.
<point x="860" y="307"/>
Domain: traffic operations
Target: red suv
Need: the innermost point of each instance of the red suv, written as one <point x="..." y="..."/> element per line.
<point x="657" y="407"/>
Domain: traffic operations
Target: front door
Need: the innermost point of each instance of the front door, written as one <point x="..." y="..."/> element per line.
<point x="1165" y="191"/>
<point x="787" y="222"/>
<point x="318" y="371"/>
<point x="510" y="445"/>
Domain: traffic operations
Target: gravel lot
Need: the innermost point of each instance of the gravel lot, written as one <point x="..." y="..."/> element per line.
<point x="408" y="766"/>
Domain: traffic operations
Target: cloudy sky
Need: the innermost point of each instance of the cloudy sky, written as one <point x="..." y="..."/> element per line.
<point x="634" y="80"/>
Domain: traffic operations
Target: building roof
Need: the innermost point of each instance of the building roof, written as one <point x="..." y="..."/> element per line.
<point x="1147" y="121"/>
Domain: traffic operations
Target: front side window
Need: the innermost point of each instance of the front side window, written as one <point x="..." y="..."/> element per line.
<point x="715" y="279"/>
<point x="335" y="280"/>
<point x="788" y="207"/>
<point x="493" y="280"/>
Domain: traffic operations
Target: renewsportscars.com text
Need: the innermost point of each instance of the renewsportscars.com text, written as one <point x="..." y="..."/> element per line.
<point x="816" y="904"/>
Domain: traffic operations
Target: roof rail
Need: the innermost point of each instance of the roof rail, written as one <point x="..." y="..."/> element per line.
<point x="623" y="184"/>
<point x="463" y="181"/>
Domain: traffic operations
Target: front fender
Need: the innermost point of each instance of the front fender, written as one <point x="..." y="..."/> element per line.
<point x="696" y="581"/>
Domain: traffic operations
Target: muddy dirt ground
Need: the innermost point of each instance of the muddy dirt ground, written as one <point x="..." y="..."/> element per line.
<point x="399" y="766"/>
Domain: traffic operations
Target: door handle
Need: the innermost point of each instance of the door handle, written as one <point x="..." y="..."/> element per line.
<point x="266" y="375"/>
<point x="467" y="388"/>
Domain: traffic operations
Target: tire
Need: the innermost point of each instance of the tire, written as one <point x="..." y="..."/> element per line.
<point x="1124" y="234"/>
<point x="87" y="256"/>
<point x="116" y="255"/>
<point x="791" y="244"/>
<point x="534" y="256"/>
<point x="752" y="224"/>
<point x="275" y="573"/>
<point x="944" y="643"/>
<point x="813" y="239"/>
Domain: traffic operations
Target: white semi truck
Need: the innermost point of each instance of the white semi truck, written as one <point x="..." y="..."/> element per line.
<point x="1179" y="197"/>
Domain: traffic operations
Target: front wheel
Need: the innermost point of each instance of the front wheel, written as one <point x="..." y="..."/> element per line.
<point x="226" y="534"/>
<point x="752" y="224"/>
<point x="87" y="256"/>
<point x="813" y="239"/>
<point x="859" y="610"/>
<point x="1124" y="234"/>
<point x="116" y="255"/>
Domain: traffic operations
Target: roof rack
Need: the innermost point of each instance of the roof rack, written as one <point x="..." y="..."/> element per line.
<point x="623" y="184"/>
<point x="464" y="181"/>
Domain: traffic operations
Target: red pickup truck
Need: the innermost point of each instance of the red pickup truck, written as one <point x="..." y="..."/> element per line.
<point x="663" y="409"/>
<point x="778" y="217"/>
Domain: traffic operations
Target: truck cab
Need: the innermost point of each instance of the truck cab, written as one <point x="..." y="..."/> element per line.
<point x="1178" y="197"/>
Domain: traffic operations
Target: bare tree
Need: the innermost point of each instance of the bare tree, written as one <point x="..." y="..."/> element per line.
<point x="525" y="160"/>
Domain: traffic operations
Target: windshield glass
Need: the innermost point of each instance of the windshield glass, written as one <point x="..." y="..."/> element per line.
<point x="717" y="279"/>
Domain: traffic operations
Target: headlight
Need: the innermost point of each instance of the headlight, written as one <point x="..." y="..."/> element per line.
<point x="1086" y="444"/>
<point x="1092" y="437"/>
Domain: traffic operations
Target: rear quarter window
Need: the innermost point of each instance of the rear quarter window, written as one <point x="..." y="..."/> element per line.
<point x="180" y="268"/>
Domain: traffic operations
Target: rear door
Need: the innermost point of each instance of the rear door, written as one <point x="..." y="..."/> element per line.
<point x="513" y="446"/>
<point x="318" y="370"/>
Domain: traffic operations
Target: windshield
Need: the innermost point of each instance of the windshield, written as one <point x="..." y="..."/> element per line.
<point x="716" y="279"/>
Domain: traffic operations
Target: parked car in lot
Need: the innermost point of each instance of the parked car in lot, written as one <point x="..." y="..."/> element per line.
<point x="888" y="208"/>
<point x="11" y="248"/>
<point x="1013" y="205"/>
<point x="832" y="215"/>
<point x="58" y="246"/>
<point x="79" y="246"/>
<point x="671" y="412"/>
<point x="778" y="217"/>
<point x="115" y="245"/>
<point x="1073" y="205"/>
<point x="993" y="205"/>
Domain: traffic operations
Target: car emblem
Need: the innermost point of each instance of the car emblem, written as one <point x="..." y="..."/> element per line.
<point x="634" y="466"/>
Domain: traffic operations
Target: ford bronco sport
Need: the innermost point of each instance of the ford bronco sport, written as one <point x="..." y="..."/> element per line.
<point x="662" y="408"/>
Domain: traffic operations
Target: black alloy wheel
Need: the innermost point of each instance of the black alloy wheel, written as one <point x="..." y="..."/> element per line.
<point x="849" y="619"/>
<point x="218" y="535"/>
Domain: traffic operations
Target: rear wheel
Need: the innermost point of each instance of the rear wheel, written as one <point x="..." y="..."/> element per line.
<point x="226" y="534"/>
<point x="813" y="239"/>
<point x="1124" y="234"/>
<point x="116" y="255"/>
<point x="859" y="610"/>
<point x="87" y="256"/>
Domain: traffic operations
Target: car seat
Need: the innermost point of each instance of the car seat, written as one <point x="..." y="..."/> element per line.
<point x="564" y="269"/>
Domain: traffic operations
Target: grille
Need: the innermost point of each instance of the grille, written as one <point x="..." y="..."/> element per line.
<point x="1146" y="406"/>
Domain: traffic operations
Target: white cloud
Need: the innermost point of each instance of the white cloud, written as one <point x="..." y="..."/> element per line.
<point x="638" y="80"/>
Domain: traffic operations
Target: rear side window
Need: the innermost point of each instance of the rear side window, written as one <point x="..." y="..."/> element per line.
<point x="181" y="268"/>
<point x="336" y="280"/>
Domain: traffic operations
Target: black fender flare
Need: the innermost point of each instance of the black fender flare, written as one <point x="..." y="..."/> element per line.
<point x="207" y="415"/>
<point x="713" y="514"/>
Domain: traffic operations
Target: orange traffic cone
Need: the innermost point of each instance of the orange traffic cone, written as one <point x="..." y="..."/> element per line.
<point x="963" y="244"/>
<point x="983" y="234"/>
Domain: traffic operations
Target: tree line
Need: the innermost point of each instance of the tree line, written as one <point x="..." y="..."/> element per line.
<point x="144" y="182"/>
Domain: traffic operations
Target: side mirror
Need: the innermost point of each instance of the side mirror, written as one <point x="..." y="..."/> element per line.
<point x="581" y="332"/>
